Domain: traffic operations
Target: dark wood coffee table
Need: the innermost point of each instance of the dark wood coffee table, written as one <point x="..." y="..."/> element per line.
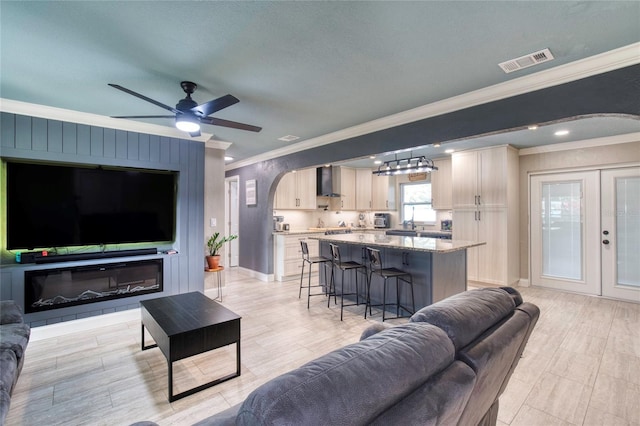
<point x="189" y="324"/>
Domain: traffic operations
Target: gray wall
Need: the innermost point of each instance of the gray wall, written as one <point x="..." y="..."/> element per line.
<point x="30" y="138"/>
<point x="614" y="92"/>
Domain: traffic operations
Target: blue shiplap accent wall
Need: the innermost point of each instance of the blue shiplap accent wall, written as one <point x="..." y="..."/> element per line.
<point x="32" y="138"/>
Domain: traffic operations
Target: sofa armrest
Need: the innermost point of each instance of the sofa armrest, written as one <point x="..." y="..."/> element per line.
<point x="10" y="312"/>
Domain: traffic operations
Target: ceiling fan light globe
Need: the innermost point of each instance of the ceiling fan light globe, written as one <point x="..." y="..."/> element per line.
<point x="187" y="124"/>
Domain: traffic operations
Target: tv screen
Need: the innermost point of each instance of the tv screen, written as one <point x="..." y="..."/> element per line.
<point x="58" y="206"/>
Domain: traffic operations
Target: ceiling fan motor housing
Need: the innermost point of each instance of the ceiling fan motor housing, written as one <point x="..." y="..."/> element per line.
<point x="187" y="103"/>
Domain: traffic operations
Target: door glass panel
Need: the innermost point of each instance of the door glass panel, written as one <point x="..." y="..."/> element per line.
<point x="562" y="238"/>
<point x="628" y="230"/>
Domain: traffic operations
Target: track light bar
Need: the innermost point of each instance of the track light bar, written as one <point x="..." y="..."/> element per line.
<point x="405" y="166"/>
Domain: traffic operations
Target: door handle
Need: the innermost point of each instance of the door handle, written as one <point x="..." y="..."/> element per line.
<point x="605" y="242"/>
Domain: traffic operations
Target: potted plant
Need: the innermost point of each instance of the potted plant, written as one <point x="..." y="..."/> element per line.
<point x="214" y="244"/>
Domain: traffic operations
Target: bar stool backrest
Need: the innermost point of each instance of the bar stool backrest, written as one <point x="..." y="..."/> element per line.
<point x="335" y="253"/>
<point x="375" y="259"/>
<point x="305" y="250"/>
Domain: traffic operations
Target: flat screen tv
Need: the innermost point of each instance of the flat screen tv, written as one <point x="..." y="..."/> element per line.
<point x="52" y="206"/>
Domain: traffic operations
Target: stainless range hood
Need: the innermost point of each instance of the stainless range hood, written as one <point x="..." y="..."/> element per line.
<point x="325" y="179"/>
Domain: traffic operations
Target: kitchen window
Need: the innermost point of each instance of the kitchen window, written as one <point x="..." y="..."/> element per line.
<point x="416" y="203"/>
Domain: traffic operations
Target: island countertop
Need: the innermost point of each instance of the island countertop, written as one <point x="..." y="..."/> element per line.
<point x="431" y="245"/>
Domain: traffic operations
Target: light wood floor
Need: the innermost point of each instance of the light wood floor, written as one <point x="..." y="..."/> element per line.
<point x="581" y="366"/>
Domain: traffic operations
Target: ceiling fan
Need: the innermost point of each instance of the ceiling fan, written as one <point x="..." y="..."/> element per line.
<point x="188" y="114"/>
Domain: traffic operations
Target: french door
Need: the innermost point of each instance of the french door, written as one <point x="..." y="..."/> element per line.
<point x="565" y="219"/>
<point x="585" y="232"/>
<point x="620" y="233"/>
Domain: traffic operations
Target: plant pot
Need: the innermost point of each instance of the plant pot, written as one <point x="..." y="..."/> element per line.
<point x="213" y="261"/>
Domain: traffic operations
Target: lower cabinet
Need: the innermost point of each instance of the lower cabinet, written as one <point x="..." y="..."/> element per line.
<point x="494" y="262"/>
<point x="288" y="255"/>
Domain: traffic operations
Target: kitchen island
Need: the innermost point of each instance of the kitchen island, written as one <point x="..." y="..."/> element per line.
<point x="438" y="267"/>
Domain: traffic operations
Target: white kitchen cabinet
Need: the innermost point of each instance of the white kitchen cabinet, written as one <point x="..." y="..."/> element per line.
<point x="345" y="185"/>
<point x="441" y="192"/>
<point x="383" y="193"/>
<point x="479" y="177"/>
<point x="363" y="189"/>
<point x="485" y="208"/>
<point x="288" y="255"/>
<point x="297" y="190"/>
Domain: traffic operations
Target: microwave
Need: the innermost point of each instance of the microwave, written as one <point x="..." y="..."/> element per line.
<point x="381" y="220"/>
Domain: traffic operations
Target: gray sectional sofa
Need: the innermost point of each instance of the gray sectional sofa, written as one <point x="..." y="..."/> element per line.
<point x="14" y="336"/>
<point x="448" y="365"/>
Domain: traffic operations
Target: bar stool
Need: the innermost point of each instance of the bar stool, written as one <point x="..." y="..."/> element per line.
<point x="343" y="266"/>
<point x="311" y="260"/>
<point x="375" y="264"/>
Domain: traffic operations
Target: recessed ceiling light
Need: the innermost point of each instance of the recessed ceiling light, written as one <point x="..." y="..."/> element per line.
<point x="533" y="127"/>
<point x="289" y="138"/>
<point x="327" y="165"/>
<point x="436" y="145"/>
<point x="372" y="157"/>
<point x="377" y="162"/>
<point x="227" y="158"/>
<point x="561" y="133"/>
<point x="449" y="151"/>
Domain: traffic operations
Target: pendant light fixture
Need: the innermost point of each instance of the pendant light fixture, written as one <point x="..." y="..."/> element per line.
<point x="403" y="166"/>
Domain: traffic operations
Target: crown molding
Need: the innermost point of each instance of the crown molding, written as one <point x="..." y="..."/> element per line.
<point x="60" y="114"/>
<point x="587" y="143"/>
<point x="597" y="64"/>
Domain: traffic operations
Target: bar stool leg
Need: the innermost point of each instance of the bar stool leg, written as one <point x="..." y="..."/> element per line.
<point x="301" y="276"/>
<point x="384" y="299"/>
<point x="309" y="282"/>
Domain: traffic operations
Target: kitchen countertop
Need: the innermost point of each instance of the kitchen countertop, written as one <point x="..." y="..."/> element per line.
<point x="432" y="245"/>
<point x="323" y="230"/>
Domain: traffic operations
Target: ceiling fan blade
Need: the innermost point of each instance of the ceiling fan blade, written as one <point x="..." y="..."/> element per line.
<point x="215" y="105"/>
<point x="144" y="98"/>
<point x="231" y="124"/>
<point x="143" y="116"/>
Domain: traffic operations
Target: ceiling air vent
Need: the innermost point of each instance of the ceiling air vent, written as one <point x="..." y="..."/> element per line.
<point x="526" y="61"/>
<point x="289" y="138"/>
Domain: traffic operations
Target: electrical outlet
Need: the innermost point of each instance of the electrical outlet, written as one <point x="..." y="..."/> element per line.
<point x="213" y="222"/>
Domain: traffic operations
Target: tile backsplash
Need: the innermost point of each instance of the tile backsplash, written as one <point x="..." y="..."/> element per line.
<point x="302" y="220"/>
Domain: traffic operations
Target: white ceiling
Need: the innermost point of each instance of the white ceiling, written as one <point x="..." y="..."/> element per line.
<point x="299" y="68"/>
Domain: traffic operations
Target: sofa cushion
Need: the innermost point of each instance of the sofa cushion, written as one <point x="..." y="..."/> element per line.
<point x="10" y="312"/>
<point x="467" y="315"/>
<point x="440" y="401"/>
<point x="354" y="384"/>
<point x="15" y="337"/>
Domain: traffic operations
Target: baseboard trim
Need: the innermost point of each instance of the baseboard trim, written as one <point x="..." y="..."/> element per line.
<point x="257" y="275"/>
<point x="524" y="282"/>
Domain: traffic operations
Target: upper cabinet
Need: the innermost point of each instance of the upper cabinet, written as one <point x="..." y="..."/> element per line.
<point x="479" y="178"/>
<point x="441" y="194"/>
<point x="345" y="180"/>
<point x="383" y="192"/>
<point x="363" y="189"/>
<point x="297" y="190"/>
